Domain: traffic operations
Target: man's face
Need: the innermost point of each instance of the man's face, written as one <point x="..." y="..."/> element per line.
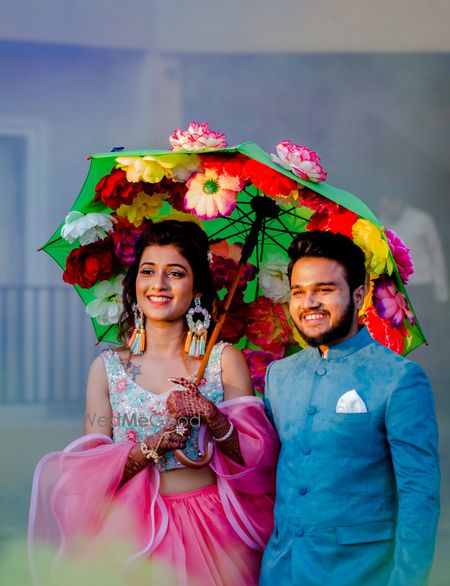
<point x="321" y="306"/>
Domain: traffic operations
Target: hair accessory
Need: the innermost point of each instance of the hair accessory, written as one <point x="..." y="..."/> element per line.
<point x="226" y="436"/>
<point x="198" y="330"/>
<point x="136" y="342"/>
<point x="210" y="256"/>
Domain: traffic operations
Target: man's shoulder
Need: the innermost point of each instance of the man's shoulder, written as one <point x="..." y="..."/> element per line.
<point x="389" y="361"/>
<point x="290" y="362"/>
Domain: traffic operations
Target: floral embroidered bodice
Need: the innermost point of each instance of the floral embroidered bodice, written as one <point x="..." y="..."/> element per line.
<point x="138" y="413"/>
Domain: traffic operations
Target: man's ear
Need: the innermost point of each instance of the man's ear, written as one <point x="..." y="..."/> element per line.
<point x="359" y="295"/>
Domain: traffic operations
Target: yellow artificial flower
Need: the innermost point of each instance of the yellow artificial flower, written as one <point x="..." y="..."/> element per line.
<point x="143" y="207"/>
<point x="153" y="168"/>
<point x="370" y="239"/>
<point x="368" y="298"/>
<point x="297" y="337"/>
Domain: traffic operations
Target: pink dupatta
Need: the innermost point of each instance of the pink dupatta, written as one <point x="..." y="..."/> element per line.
<point x="76" y="497"/>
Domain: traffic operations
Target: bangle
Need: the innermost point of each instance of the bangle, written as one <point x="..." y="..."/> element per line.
<point x="226" y="436"/>
<point x="149" y="453"/>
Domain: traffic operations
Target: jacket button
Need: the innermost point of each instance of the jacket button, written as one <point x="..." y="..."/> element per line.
<point x="302" y="490"/>
<point x="299" y="532"/>
<point x="312" y="410"/>
<point x="321" y="371"/>
<point x="306" y="450"/>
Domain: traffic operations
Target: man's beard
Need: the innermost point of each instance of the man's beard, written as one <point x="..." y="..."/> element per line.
<point x="334" y="333"/>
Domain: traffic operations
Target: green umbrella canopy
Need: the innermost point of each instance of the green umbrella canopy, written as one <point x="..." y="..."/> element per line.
<point x="275" y="237"/>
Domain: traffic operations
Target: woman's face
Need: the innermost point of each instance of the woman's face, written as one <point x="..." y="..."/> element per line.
<point x="164" y="283"/>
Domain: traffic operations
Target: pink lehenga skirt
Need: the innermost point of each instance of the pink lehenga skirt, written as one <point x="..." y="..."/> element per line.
<point x="200" y="544"/>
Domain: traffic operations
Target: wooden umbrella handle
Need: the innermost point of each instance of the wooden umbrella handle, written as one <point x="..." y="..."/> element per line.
<point x="207" y="450"/>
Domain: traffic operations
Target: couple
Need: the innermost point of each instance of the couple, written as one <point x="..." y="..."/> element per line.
<point x="357" y="475"/>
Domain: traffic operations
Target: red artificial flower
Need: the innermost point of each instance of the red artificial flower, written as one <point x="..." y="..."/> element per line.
<point x="125" y="236"/>
<point x="272" y="182"/>
<point x="176" y="199"/>
<point x="339" y="222"/>
<point x="382" y="331"/>
<point x="225" y="165"/>
<point x="114" y="189"/>
<point x="87" y="265"/>
<point x="236" y="320"/>
<point x="316" y="202"/>
<point x="268" y="326"/>
<point x="224" y="271"/>
<point x="257" y="362"/>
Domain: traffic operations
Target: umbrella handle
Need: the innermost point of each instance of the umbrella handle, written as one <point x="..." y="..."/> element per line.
<point x="207" y="450"/>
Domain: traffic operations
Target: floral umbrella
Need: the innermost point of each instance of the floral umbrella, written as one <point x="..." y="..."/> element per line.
<point x="251" y="205"/>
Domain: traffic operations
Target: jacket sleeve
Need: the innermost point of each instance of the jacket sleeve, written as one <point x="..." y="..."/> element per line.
<point x="413" y="439"/>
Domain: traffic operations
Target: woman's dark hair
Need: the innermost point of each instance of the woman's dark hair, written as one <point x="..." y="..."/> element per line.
<point x="321" y="244"/>
<point x="192" y="243"/>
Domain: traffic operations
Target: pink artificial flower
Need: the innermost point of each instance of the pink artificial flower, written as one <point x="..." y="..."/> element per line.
<point x="197" y="137"/>
<point x="132" y="436"/>
<point x="224" y="270"/>
<point x="125" y="236"/>
<point x="257" y="362"/>
<point x="402" y="255"/>
<point x="391" y="304"/>
<point x="300" y="160"/>
<point x="211" y="194"/>
<point x="268" y="326"/>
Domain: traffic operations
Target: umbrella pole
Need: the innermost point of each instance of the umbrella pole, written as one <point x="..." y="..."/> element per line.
<point x="219" y="323"/>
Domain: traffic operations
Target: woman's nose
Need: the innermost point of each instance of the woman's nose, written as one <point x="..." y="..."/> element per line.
<point x="159" y="281"/>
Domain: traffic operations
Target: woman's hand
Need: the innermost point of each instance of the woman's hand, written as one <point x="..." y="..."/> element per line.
<point x="171" y="437"/>
<point x="190" y="403"/>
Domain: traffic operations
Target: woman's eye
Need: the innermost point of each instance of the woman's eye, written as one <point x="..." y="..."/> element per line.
<point x="147" y="271"/>
<point x="175" y="273"/>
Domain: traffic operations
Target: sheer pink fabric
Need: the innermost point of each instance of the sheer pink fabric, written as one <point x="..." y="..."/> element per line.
<point x="76" y="503"/>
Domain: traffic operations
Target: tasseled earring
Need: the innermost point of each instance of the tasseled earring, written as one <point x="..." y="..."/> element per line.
<point x="195" y="344"/>
<point x="136" y="342"/>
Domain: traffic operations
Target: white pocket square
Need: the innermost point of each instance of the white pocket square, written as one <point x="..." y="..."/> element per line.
<point x="350" y="402"/>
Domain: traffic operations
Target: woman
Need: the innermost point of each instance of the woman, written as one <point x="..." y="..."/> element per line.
<point x="122" y="479"/>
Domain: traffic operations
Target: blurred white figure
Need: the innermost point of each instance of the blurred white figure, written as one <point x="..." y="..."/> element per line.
<point x="418" y="230"/>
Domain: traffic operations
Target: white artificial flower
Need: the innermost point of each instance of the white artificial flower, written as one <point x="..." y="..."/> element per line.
<point x="107" y="305"/>
<point x="87" y="227"/>
<point x="273" y="279"/>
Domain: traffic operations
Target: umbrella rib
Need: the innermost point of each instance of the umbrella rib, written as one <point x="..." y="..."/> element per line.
<point x="286" y="229"/>
<point x="294" y="215"/>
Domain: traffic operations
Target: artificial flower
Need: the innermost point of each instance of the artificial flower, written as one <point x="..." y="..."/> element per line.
<point x="231" y="164"/>
<point x="391" y="304"/>
<point x="107" y="305"/>
<point x="368" y="299"/>
<point x="150" y="169"/>
<point x="300" y="160"/>
<point x="318" y="203"/>
<point x="88" y="264"/>
<point x="114" y="189"/>
<point x="236" y="320"/>
<point x="257" y="362"/>
<point x="88" y="228"/>
<point x="143" y="207"/>
<point x="210" y="195"/>
<point x="382" y="331"/>
<point x="369" y="238"/>
<point x="402" y="255"/>
<point x="273" y="279"/>
<point x="125" y="236"/>
<point x="179" y="167"/>
<point x="224" y="271"/>
<point x="197" y="137"/>
<point x="268" y="326"/>
<point x="227" y="249"/>
<point x="339" y="222"/>
<point x="268" y="180"/>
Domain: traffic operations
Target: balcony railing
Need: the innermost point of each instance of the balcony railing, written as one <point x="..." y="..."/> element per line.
<point x="46" y="345"/>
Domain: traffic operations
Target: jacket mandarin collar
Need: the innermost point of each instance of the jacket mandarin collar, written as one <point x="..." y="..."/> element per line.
<point x="350" y="346"/>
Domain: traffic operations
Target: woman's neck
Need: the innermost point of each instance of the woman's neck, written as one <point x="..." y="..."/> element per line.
<point x="165" y="338"/>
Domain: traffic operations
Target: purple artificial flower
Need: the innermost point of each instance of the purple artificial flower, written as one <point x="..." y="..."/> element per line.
<point x="390" y="303"/>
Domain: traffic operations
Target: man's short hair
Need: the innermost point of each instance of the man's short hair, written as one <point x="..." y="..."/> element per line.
<point x="321" y="244"/>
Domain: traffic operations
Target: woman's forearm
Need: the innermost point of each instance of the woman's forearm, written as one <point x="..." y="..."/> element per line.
<point x="225" y="435"/>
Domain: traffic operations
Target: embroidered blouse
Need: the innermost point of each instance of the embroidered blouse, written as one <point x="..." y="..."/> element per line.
<point x="138" y="413"/>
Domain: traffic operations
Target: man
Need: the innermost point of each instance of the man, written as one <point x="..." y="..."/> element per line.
<point x="358" y="476"/>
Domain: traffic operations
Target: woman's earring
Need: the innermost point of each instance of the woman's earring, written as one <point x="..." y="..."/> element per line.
<point x="136" y="342"/>
<point x="195" y="344"/>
